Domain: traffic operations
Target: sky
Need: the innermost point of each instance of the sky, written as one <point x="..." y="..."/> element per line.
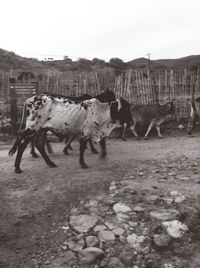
<point x="104" y="29"/>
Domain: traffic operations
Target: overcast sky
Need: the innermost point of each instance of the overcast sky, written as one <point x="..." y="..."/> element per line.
<point x="126" y="29"/>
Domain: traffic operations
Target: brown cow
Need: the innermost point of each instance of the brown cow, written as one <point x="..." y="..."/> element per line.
<point x="152" y="114"/>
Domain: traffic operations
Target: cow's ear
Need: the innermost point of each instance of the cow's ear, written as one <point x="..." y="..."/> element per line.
<point x="114" y="110"/>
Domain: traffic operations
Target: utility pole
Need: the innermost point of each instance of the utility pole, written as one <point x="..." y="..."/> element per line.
<point x="148" y="63"/>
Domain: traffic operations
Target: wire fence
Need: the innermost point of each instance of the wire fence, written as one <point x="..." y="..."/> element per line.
<point x="136" y="86"/>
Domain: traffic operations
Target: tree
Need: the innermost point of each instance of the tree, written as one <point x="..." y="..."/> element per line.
<point x="84" y="64"/>
<point x="118" y="65"/>
<point x="67" y="59"/>
<point x="98" y="62"/>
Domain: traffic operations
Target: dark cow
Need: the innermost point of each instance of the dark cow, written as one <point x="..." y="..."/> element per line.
<point x="154" y="115"/>
<point x="194" y="114"/>
<point x="89" y="119"/>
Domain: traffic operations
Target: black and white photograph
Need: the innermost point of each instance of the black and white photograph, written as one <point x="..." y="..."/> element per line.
<point x="100" y="134"/>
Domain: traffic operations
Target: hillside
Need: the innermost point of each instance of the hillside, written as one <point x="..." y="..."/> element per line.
<point x="189" y="62"/>
<point x="11" y="61"/>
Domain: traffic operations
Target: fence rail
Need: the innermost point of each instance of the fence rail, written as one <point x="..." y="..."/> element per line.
<point x="134" y="85"/>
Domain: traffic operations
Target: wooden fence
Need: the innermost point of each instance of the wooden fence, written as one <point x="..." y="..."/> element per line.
<point x="136" y="86"/>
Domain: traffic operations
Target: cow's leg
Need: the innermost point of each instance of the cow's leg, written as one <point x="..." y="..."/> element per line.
<point x="122" y="136"/>
<point x="190" y="125"/>
<point x="191" y="122"/>
<point x="40" y="145"/>
<point x="132" y="128"/>
<point x="103" y="147"/>
<point x="68" y="141"/>
<point x="149" y="129"/>
<point x="48" y="144"/>
<point x="93" y="149"/>
<point x="20" y="149"/>
<point x="158" y="130"/>
<point x="32" y="143"/>
<point x="83" y="146"/>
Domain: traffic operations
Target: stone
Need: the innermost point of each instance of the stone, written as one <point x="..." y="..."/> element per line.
<point x="168" y="200"/>
<point x="153" y="198"/>
<point x="138" y="209"/>
<point x="126" y="257"/>
<point x="75" y="243"/>
<point x="161" y="240"/>
<point x="105" y="235"/>
<point x="122" y="239"/>
<point x="91" y="241"/>
<point x="179" y="198"/>
<point x="164" y="214"/>
<point x="64" y="247"/>
<point x="69" y="259"/>
<point x="93" y="203"/>
<point x="99" y="228"/>
<point x="120" y="207"/>
<point x="168" y="265"/>
<point x="104" y="263"/>
<point x="83" y="222"/>
<point x="133" y="224"/>
<point x="182" y="177"/>
<point x="122" y="217"/>
<point x="174" y="193"/>
<point x="112" y="188"/>
<point x="118" y="231"/>
<point x="135" y="241"/>
<point x="175" y="228"/>
<point x="110" y="225"/>
<point x="91" y="255"/>
<point x="115" y="262"/>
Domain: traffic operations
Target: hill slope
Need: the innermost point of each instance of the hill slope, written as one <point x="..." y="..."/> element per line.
<point x="11" y="61"/>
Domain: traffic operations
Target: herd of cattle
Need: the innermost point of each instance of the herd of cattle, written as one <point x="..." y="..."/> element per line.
<point x="86" y="118"/>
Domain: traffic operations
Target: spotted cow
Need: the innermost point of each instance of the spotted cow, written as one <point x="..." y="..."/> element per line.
<point x="89" y="119"/>
<point x="106" y="96"/>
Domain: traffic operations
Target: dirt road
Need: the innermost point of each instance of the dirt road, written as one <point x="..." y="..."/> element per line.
<point x="36" y="203"/>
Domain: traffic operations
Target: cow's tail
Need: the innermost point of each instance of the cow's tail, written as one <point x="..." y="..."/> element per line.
<point x="14" y="148"/>
<point x="23" y="117"/>
<point x="19" y="133"/>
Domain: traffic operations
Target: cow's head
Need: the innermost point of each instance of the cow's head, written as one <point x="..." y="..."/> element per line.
<point x="120" y="110"/>
<point x="170" y="107"/>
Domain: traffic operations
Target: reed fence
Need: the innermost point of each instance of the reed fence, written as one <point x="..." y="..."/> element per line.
<point x="136" y="86"/>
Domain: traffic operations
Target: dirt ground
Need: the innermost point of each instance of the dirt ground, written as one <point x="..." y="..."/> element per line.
<point x="36" y="203"/>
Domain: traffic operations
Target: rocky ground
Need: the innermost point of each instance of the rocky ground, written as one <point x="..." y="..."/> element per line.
<point x="139" y="208"/>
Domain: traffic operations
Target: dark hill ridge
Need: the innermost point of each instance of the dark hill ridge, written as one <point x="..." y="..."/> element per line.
<point x="9" y="60"/>
<point x="180" y="63"/>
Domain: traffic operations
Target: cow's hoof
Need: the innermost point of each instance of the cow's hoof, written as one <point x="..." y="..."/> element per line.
<point x="138" y="139"/>
<point x="84" y="165"/>
<point x="103" y="155"/>
<point x="52" y="165"/>
<point x="161" y="137"/>
<point x="65" y="152"/>
<point x="18" y="170"/>
<point x="34" y="155"/>
<point x="146" y="138"/>
<point x="124" y="139"/>
<point x="95" y="151"/>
